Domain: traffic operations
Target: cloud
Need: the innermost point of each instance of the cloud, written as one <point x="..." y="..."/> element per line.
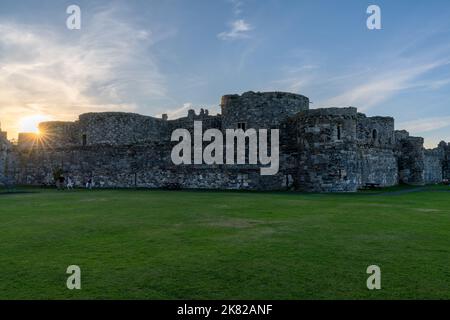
<point x="237" y="6"/>
<point x="295" y="84"/>
<point x="297" y="78"/>
<point x="194" y="81"/>
<point x="107" y="65"/>
<point x="361" y="82"/>
<point x="239" y="29"/>
<point x="435" y="84"/>
<point x="183" y="111"/>
<point x="180" y="112"/>
<point x="379" y="86"/>
<point x="425" y="125"/>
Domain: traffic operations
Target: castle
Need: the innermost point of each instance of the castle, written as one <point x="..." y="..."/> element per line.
<point x="321" y="150"/>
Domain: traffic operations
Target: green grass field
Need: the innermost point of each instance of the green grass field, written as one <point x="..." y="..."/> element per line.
<point x="225" y="245"/>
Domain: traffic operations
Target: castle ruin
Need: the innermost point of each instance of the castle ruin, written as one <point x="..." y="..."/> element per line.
<point x="321" y="150"/>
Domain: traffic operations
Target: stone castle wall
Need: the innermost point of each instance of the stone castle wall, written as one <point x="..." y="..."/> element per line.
<point x="4" y="147"/>
<point x="144" y="166"/>
<point x="321" y="150"/>
<point x="116" y="128"/>
<point x="418" y="165"/>
<point x="446" y="160"/>
<point x="327" y="159"/>
<point x="108" y="128"/>
<point x="377" y="163"/>
<point x="59" y="134"/>
<point x="342" y="150"/>
<point x="433" y="166"/>
<point x="411" y="160"/>
<point x="377" y="166"/>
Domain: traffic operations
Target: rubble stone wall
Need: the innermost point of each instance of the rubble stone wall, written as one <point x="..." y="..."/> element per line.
<point x="321" y="150"/>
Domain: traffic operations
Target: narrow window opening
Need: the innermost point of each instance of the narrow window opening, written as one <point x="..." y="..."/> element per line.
<point x="339" y="132"/>
<point x="374" y="134"/>
<point x="84" y="138"/>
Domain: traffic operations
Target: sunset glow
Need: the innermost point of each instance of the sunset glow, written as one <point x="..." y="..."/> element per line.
<point x="31" y="123"/>
<point x="122" y="59"/>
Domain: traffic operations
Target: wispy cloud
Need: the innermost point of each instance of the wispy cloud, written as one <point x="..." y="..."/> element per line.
<point x="180" y="112"/>
<point x="296" y="78"/>
<point x="379" y="86"/>
<point x="434" y="84"/>
<point x="425" y="125"/>
<point x="239" y="29"/>
<point x="366" y="83"/>
<point x="108" y="66"/>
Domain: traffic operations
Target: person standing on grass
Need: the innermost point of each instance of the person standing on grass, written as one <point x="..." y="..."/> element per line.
<point x="69" y="183"/>
<point x="61" y="180"/>
<point x="89" y="184"/>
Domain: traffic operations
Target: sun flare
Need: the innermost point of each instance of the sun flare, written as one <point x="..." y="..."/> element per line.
<point x="31" y="123"/>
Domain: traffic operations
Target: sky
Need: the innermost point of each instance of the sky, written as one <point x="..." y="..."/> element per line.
<point x="154" y="57"/>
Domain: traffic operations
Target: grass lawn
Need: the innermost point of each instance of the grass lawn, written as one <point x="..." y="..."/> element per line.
<point x="225" y="245"/>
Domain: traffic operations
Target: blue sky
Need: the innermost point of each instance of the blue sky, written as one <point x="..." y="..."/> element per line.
<point x="154" y="57"/>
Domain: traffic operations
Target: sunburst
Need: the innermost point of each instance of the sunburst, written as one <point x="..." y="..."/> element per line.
<point x="31" y="123"/>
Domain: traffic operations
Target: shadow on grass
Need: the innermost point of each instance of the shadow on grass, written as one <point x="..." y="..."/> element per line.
<point x="389" y="191"/>
<point x="8" y="192"/>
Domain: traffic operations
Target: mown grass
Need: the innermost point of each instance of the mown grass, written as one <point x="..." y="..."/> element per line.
<point x="137" y="244"/>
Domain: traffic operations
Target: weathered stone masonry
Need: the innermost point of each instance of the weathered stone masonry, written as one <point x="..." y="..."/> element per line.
<point x="321" y="150"/>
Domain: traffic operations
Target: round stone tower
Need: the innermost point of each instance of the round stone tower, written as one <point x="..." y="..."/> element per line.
<point x="260" y="110"/>
<point x="328" y="157"/>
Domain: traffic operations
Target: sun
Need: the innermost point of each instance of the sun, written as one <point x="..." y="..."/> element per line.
<point x="30" y="124"/>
